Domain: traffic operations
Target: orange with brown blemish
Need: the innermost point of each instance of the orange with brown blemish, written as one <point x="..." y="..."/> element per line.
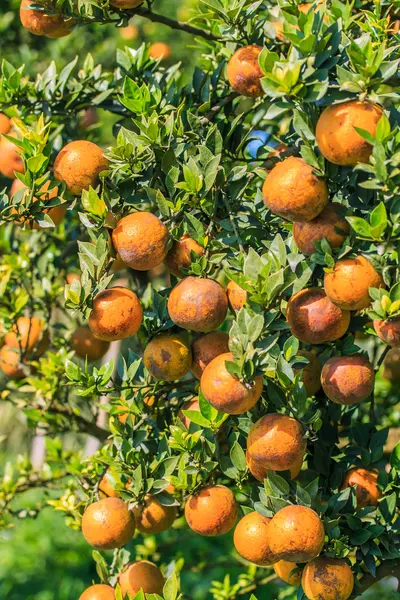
<point x="348" y="379"/>
<point x="329" y="224"/>
<point x="244" y="72"/>
<point x="10" y="363"/>
<point x="29" y="335"/>
<point x="206" y="348"/>
<point x="87" y="345"/>
<point x="10" y="159"/>
<point x="152" y="516"/>
<point x="327" y="579"/>
<point x="366" y="482"/>
<point x="389" y="331"/>
<point x="251" y="539"/>
<point x="141" y="575"/>
<point x="108" y="524"/>
<point x="167" y="357"/>
<point x="284" y="568"/>
<point x="296" y="534"/>
<point x="213" y="511"/>
<point x="99" y="591"/>
<point x="225" y="392"/>
<point x="198" y="304"/>
<point x="314" y="319"/>
<point x="141" y="240"/>
<point x="57" y="213"/>
<point x="292" y="190"/>
<point x="39" y="23"/>
<point x="275" y="443"/>
<point x="179" y="256"/>
<point x="336" y="137"/>
<point x="237" y="296"/>
<point x="188" y="405"/>
<point x="79" y="165"/>
<point x="116" y="315"/>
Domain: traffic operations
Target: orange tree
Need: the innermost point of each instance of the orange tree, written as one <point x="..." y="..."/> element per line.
<point x="239" y="290"/>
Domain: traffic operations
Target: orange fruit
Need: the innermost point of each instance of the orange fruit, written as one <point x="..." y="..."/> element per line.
<point x="159" y="50"/>
<point x="116" y="315"/>
<point x="296" y="534"/>
<point x="292" y="191"/>
<point x="10" y="363"/>
<point x="39" y="23"/>
<point x="105" y="488"/>
<point x="348" y="379"/>
<point x="314" y="319"/>
<point x="311" y="373"/>
<point x="130" y="32"/>
<point x="5" y="124"/>
<point x="391" y="365"/>
<point x="10" y="159"/>
<point x="212" y="511"/>
<point x="305" y="8"/>
<point x="347" y="284"/>
<point x="329" y="224"/>
<point x="336" y="137"/>
<point x="275" y="443"/>
<point x="251" y="539"/>
<point x="366" y="482"/>
<point x="237" y="296"/>
<point x="79" y="165"/>
<point x="225" y="392"/>
<point x="152" y="516"/>
<point x="188" y="405"/>
<point x="29" y="336"/>
<point x="327" y="579"/>
<point x="141" y="240"/>
<point x="179" y="256"/>
<point x="57" y="213"/>
<point x="141" y="575"/>
<point x="87" y="345"/>
<point x="198" y="304"/>
<point x="284" y="568"/>
<point x="244" y="73"/>
<point x="167" y="357"/>
<point x="108" y="524"/>
<point x="206" y="348"/>
<point x="71" y="277"/>
<point x="99" y="591"/>
<point x="389" y="331"/>
<point x="126" y="3"/>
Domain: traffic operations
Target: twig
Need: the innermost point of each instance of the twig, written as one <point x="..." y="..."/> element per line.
<point x="217" y="107"/>
<point x="382" y="358"/>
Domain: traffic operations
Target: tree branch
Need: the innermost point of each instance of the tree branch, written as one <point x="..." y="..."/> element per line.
<point x="217" y="107"/>
<point x="382" y="571"/>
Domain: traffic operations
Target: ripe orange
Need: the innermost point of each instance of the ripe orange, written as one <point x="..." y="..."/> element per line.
<point x="126" y="3"/>
<point x="141" y="240"/>
<point x="251" y="539"/>
<point x="29" y="336"/>
<point x="389" y="331"/>
<point x="152" y="516"/>
<point x="225" y="392"/>
<point x="189" y="405"/>
<point x="10" y="363"/>
<point x="292" y="191"/>
<point x="88" y="345"/>
<point x="314" y="319"/>
<point x="179" y="256"/>
<point x="327" y="579"/>
<point x="347" y="284"/>
<point x="198" y="304"/>
<point x="131" y="32"/>
<point x="330" y="224"/>
<point x="71" y="277"/>
<point x="98" y="592"/>
<point x="108" y="524"/>
<point x="311" y="373"/>
<point x="116" y="315"/>
<point x="275" y="443"/>
<point x="167" y="357"/>
<point x="296" y="534"/>
<point x="237" y="296"/>
<point x="57" y="213"/>
<point x="39" y="23"/>
<point x="244" y="73"/>
<point x="336" y="137"/>
<point x="366" y="482"/>
<point x="105" y="488"/>
<point x="79" y="165"/>
<point x="159" y="50"/>
<point x="141" y="575"/>
<point x="10" y="159"/>
<point x="348" y="379"/>
<point x="284" y="568"/>
<point x="391" y="365"/>
<point x="212" y="511"/>
<point x="5" y="124"/>
<point x="206" y="348"/>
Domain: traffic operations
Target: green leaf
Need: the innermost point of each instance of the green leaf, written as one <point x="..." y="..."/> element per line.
<point x="395" y="457"/>
<point x="171" y="587"/>
<point x="238" y="457"/>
